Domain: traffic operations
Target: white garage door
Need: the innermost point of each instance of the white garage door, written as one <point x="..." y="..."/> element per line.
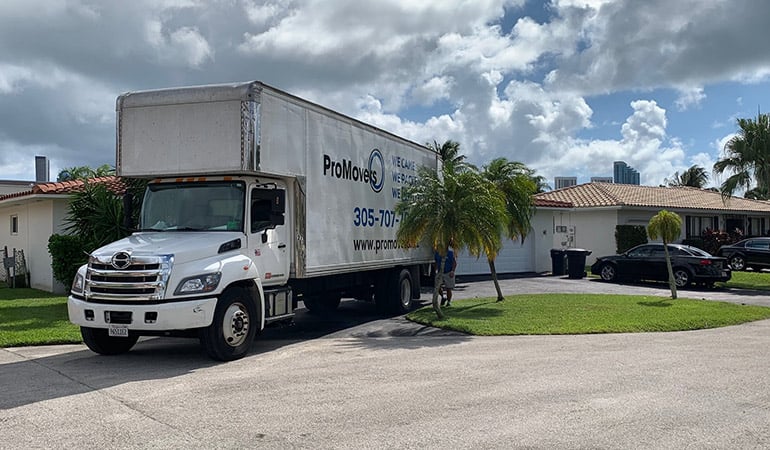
<point x="513" y="258"/>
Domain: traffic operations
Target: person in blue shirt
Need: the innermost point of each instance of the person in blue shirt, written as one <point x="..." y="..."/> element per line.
<point x="448" y="277"/>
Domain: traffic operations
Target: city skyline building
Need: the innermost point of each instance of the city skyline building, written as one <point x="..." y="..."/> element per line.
<point x="624" y="174"/>
<point x="562" y="182"/>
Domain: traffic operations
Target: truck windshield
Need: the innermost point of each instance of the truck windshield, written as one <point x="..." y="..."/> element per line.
<point x="193" y="206"/>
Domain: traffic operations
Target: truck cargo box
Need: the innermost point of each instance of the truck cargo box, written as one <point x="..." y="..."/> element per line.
<point x="347" y="175"/>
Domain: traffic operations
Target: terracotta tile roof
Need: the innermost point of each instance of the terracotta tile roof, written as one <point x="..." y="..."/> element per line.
<point x="592" y="195"/>
<point x="548" y="203"/>
<point x="113" y="183"/>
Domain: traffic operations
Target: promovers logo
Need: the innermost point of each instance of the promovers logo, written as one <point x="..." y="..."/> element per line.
<point x="344" y="169"/>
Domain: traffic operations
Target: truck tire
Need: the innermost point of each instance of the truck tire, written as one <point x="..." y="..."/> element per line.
<point x="235" y="323"/>
<point x="322" y="304"/>
<point x="394" y="294"/>
<point x="100" y="342"/>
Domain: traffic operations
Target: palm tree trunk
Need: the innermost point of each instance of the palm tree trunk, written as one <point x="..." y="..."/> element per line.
<point x="436" y="288"/>
<point x="671" y="281"/>
<point x="491" y="262"/>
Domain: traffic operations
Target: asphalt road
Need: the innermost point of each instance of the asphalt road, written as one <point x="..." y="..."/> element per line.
<point x="355" y="381"/>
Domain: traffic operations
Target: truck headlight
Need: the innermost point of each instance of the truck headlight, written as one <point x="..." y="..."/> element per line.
<point x="199" y="284"/>
<point x="77" y="284"/>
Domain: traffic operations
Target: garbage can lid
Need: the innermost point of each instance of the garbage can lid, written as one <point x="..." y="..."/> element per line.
<point x="579" y="250"/>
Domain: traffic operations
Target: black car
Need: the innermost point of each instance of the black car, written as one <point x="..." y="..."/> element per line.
<point x="748" y="253"/>
<point x="648" y="262"/>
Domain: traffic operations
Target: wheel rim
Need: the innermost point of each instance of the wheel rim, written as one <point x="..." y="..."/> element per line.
<point x="235" y="325"/>
<point x="681" y="278"/>
<point x="737" y="263"/>
<point x="406" y="293"/>
<point x="608" y="273"/>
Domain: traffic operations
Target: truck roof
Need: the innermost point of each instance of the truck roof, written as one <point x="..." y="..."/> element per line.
<point x="242" y="91"/>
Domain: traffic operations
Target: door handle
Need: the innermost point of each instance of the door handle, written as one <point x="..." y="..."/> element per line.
<point x="281" y="245"/>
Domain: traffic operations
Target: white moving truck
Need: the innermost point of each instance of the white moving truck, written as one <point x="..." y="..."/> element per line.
<point x="257" y="199"/>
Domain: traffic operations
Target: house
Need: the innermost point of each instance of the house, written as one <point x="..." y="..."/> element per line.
<point x="29" y="217"/>
<point x="585" y="216"/>
<point x="597" y="208"/>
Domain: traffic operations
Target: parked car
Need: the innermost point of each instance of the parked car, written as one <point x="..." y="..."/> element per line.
<point x="648" y="262"/>
<point x="748" y="253"/>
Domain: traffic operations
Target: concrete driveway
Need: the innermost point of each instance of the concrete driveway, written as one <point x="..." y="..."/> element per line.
<point x="389" y="384"/>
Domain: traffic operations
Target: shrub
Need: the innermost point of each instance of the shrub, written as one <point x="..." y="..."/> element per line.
<point x="628" y="236"/>
<point x="67" y="254"/>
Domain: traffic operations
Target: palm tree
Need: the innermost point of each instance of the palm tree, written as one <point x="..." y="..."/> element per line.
<point x="84" y="172"/>
<point x="450" y="155"/>
<point x="747" y="157"/>
<point x="696" y="176"/>
<point x="459" y="208"/>
<point x="515" y="182"/>
<point x="668" y="226"/>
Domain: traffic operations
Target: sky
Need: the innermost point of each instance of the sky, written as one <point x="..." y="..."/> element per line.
<point x="564" y="86"/>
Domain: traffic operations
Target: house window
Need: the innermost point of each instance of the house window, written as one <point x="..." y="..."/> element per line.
<point x="757" y="226"/>
<point x="14" y="224"/>
<point x="696" y="225"/>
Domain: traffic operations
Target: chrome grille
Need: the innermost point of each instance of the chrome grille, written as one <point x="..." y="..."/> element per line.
<point x="144" y="278"/>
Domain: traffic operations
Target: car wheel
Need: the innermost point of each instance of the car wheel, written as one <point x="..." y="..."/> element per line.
<point x="608" y="272"/>
<point x="737" y="262"/>
<point x="681" y="277"/>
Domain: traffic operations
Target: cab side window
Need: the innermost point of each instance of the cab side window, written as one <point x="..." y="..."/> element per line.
<point x="267" y="209"/>
<point x="260" y="215"/>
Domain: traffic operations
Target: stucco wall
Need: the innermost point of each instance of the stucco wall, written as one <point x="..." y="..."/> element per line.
<point x="594" y="231"/>
<point x="38" y="219"/>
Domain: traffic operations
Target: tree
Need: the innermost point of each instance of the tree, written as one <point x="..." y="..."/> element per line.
<point x="449" y="152"/>
<point x="747" y="157"/>
<point x="84" y="173"/>
<point x="668" y="226"/>
<point x="458" y="208"/>
<point x="515" y="182"/>
<point x="696" y="176"/>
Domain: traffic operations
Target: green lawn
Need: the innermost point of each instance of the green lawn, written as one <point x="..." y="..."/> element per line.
<point x="32" y="317"/>
<point x="586" y="313"/>
<point x="749" y="280"/>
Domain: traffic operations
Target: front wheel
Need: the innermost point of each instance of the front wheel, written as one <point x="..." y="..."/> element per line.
<point x="608" y="272"/>
<point x="99" y="341"/>
<point x="737" y="262"/>
<point x="682" y="277"/>
<point x="235" y="323"/>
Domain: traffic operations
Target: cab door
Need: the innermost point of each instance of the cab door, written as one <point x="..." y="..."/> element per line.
<point x="268" y="233"/>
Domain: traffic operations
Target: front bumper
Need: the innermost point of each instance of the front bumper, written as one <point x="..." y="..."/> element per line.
<point x="161" y="317"/>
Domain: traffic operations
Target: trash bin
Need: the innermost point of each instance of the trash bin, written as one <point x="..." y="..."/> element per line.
<point x="558" y="261"/>
<point x="576" y="262"/>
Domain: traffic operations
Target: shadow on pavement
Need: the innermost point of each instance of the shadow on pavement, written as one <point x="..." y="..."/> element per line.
<point x="34" y="374"/>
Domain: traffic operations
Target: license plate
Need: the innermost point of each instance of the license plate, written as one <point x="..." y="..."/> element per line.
<point x="117" y="330"/>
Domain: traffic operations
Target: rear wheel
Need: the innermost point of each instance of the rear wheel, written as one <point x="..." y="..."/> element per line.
<point x="682" y="277"/>
<point x="100" y="342"/>
<point x="608" y="272"/>
<point x="235" y="323"/>
<point x="737" y="262"/>
<point x="393" y="293"/>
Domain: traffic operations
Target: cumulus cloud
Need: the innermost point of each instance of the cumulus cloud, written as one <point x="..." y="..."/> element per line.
<point x="483" y="73"/>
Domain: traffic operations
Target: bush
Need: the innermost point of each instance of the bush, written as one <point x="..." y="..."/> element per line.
<point x="67" y="254"/>
<point x="628" y="236"/>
